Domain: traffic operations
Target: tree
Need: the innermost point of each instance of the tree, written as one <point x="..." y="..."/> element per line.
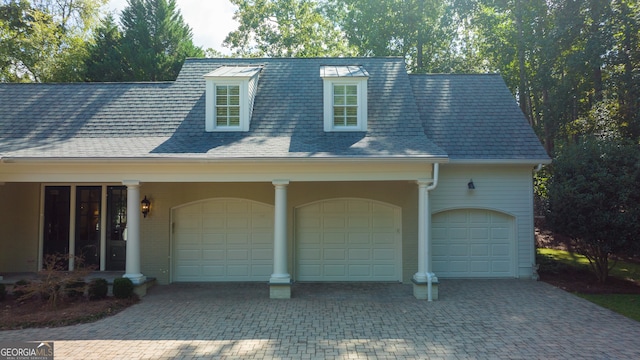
<point x="44" y="40"/>
<point x="285" y="28"/>
<point x="105" y="61"/>
<point x="425" y="32"/>
<point x="594" y="199"/>
<point x="155" y="40"/>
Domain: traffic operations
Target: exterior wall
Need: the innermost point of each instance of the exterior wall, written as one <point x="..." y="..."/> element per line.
<point x="19" y="224"/>
<point x="503" y="188"/>
<point x="156" y="228"/>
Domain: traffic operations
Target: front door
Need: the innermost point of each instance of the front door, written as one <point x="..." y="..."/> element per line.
<point x="88" y="206"/>
<point x="56" y="220"/>
<point x="116" y="223"/>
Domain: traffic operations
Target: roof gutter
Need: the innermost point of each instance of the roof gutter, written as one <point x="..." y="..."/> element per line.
<point x="137" y="160"/>
<point x="532" y="161"/>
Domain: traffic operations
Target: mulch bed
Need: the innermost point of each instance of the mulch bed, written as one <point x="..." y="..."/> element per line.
<point x="38" y="314"/>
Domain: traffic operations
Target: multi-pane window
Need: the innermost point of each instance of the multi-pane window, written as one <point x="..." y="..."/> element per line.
<point x="345" y="105"/>
<point x="227" y="105"/>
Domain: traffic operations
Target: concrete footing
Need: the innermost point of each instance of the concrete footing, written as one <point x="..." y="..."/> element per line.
<point x="421" y="290"/>
<point x="280" y="291"/>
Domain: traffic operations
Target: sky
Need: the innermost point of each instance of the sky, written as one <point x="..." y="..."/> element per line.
<point x="210" y="20"/>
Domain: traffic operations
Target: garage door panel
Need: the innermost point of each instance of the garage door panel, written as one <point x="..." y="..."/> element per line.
<point x="335" y="238"/>
<point x="335" y="223"/>
<point x="216" y="255"/>
<point x="221" y="239"/>
<point x="359" y="241"/>
<point x="359" y="238"/>
<point x="482" y="246"/>
<point x="334" y="254"/>
<point x="310" y="254"/>
<point x="363" y="271"/>
<point x="384" y="255"/>
<point x="309" y="271"/>
<point x="480" y="250"/>
<point x="385" y="239"/>
<point x="359" y="254"/>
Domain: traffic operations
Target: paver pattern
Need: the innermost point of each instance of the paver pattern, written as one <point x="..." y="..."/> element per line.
<point x="473" y="319"/>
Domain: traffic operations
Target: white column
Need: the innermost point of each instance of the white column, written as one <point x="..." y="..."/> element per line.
<point x="280" y="274"/>
<point x="423" y="232"/>
<point x="132" y="266"/>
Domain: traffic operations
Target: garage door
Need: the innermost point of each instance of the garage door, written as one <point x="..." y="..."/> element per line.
<point x="348" y="240"/>
<point x="223" y="240"/>
<point x="472" y="243"/>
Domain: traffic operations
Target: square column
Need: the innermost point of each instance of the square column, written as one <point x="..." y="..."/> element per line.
<point x="132" y="265"/>
<point x="280" y="282"/>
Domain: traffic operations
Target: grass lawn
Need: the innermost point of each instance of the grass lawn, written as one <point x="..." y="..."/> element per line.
<point x="625" y="304"/>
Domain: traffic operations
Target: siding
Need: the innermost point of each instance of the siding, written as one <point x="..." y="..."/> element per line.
<point x="505" y="188"/>
<point x="19" y="224"/>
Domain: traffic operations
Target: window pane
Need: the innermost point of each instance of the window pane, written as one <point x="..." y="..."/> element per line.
<point x="221" y="90"/>
<point x="352" y="121"/>
<point x="234" y="111"/>
<point x="221" y="121"/>
<point x="338" y="89"/>
<point x="351" y="90"/>
<point x="221" y="100"/>
<point x="351" y="111"/>
<point x="338" y="100"/>
<point x="352" y="100"/>
<point x="234" y="121"/>
<point x="234" y="100"/>
<point x="234" y="90"/>
<point x="221" y="111"/>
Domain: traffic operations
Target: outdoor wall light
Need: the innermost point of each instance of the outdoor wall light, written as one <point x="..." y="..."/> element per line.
<point x="145" y="204"/>
<point x="470" y="184"/>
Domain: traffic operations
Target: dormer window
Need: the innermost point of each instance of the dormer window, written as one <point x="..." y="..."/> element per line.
<point x="229" y="100"/>
<point x="345" y="98"/>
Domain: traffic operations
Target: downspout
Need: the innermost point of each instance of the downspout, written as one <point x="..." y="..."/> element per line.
<point x="430" y="275"/>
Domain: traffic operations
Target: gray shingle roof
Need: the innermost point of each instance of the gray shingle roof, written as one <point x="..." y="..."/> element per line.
<point x="468" y="116"/>
<point x="474" y="117"/>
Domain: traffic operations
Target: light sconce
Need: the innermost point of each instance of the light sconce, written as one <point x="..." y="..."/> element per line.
<point x="145" y="204"/>
<point x="470" y="185"/>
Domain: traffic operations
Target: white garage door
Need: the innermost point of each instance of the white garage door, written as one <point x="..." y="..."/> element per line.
<point x="472" y="243"/>
<point x="223" y="240"/>
<point x="348" y="240"/>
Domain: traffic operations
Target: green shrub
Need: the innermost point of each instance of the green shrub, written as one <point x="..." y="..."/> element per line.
<point x="75" y="289"/>
<point x="122" y="288"/>
<point x="98" y="289"/>
<point x="3" y="292"/>
<point x="20" y="288"/>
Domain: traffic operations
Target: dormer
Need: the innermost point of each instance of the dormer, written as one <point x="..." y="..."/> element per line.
<point x="345" y="97"/>
<point x="229" y="97"/>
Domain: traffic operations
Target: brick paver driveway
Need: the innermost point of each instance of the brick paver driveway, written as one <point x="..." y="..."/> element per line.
<point x="480" y="319"/>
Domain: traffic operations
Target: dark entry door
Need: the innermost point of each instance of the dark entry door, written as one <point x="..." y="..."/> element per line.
<point x="88" y="201"/>
<point x="56" y="220"/>
<point x="116" y="223"/>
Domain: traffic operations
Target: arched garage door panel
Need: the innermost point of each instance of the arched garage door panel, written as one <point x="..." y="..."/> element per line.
<point x="348" y="240"/>
<point x="472" y="243"/>
<point x="223" y="240"/>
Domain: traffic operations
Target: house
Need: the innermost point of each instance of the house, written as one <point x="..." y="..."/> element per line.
<point x="272" y="170"/>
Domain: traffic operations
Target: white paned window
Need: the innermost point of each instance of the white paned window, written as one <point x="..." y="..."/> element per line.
<point x="345" y="105"/>
<point x="230" y="93"/>
<point x="345" y="98"/>
<point x="227" y="105"/>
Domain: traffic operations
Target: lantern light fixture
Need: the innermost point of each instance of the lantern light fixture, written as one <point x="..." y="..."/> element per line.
<point x="145" y="205"/>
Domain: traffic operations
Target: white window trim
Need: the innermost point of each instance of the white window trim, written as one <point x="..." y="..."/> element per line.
<point x="210" y="107"/>
<point x="361" y="84"/>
